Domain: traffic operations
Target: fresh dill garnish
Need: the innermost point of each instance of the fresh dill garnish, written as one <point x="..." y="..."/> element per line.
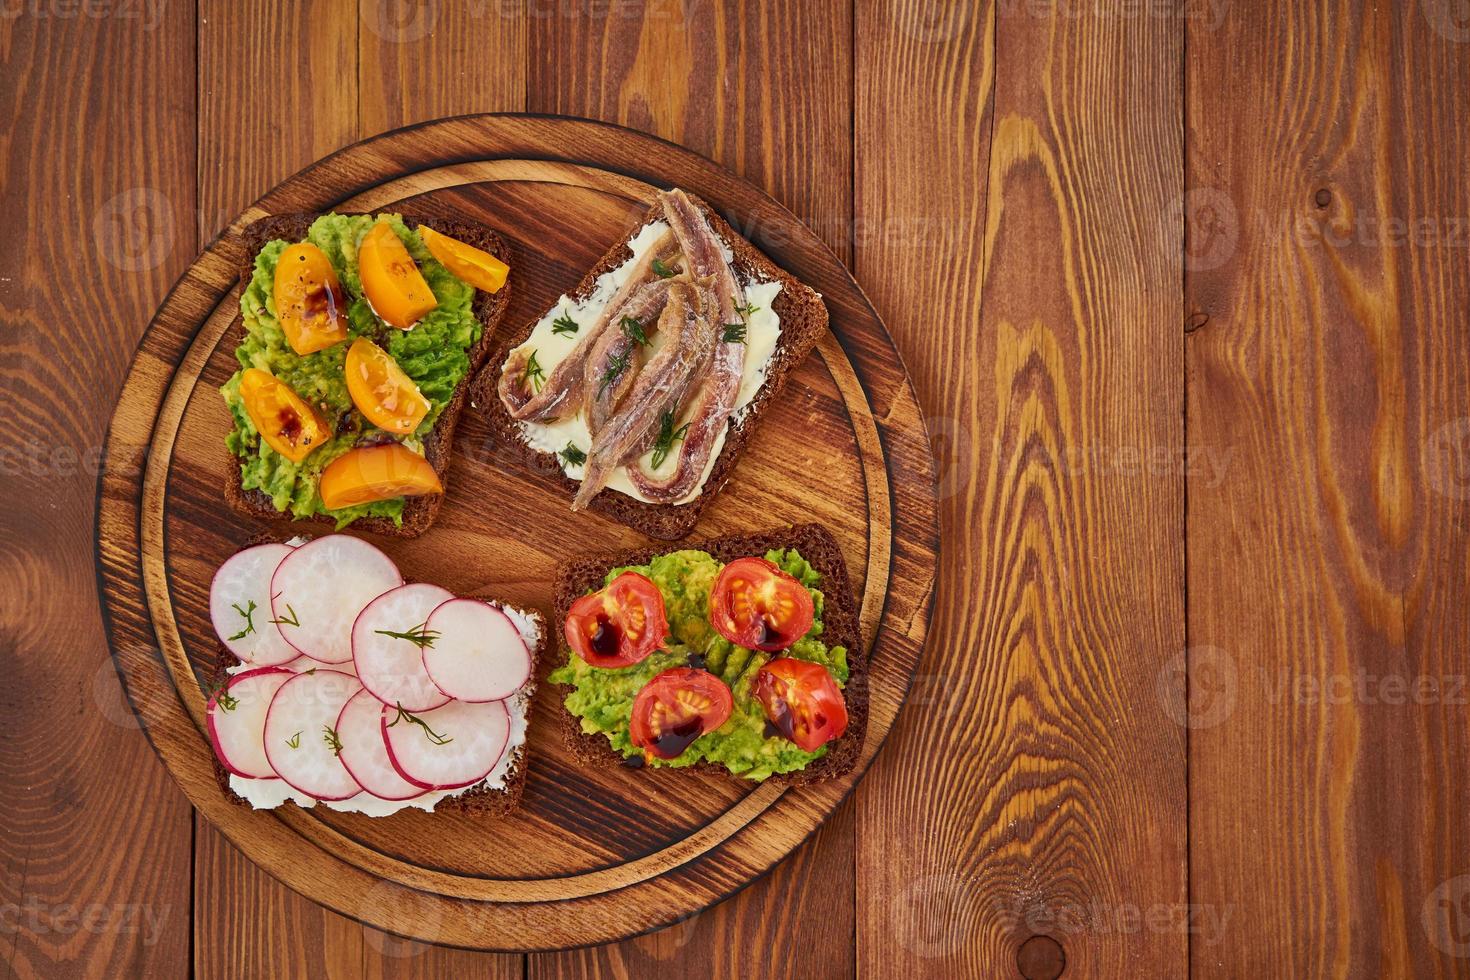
<point x="573" y="455"/>
<point x="746" y="310"/>
<point x="661" y="270"/>
<point x="419" y="635"/>
<point x="667" y="436"/>
<point x="564" y="325"/>
<point x="289" y="619"/>
<point x="249" y="615"/>
<point x="532" y="375"/>
<point x="734" y="333"/>
<point x="329" y="735"/>
<point x="221" y="696"/>
<point x="634" y="329"/>
<point x="294" y="741"/>
<point x="615" y="368"/>
<point x="433" y="736"/>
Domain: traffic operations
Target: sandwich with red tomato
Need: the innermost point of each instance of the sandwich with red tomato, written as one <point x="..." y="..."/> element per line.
<point x="356" y="339"/>
<point x="738" y="655"/>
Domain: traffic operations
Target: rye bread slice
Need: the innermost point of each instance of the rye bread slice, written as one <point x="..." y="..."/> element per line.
<point x="488" y="308"/>
<point x="480" y="799"/>
<point x="803" y="322"/>
<point x="579" y="576"/>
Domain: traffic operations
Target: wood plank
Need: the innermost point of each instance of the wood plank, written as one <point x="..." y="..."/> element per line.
<point x="429" y="60"/>
<point x="765" y="89"/>
<point x="246" y="923"/>
<point x="1035" y="786"/>
<point x="95" y="846"/>
<point x="1327" y="573"/>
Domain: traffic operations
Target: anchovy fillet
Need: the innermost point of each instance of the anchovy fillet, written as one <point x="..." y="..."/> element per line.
<point x="613" y="365"/>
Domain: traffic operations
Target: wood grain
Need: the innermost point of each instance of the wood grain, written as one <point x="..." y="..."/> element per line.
<point x="762" y="89"/>
<point x="1327" y="569"/>
<point x="95" y="840"/>
<point x="517" y="884"/>
<point x="1015" y="211"/>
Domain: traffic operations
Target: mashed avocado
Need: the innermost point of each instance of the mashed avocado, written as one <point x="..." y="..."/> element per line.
<point x="434" y="354"/>
<point x="603" y="698"/>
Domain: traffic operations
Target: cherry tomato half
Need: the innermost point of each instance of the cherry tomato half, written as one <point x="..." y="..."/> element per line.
<point x="675" y="708"/>
<point x="390" y="278"/>
<point x="757" y="606"/>
<point x="802" y="701"/>
<point x="283" y="418"/>
<point x="380" y="389"/>
<point x="310" y="302"/>
<point x="620" y="625"/>
<point x="371" y="473"/>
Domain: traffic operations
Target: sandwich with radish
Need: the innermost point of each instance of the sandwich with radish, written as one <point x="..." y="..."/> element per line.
<point x="342" y="684"/>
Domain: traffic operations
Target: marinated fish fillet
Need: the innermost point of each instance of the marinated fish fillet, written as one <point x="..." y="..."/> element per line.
<point x="687" y="324"/>
<point x="613" y="365"/>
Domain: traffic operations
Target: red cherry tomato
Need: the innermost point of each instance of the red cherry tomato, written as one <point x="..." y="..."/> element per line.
<point x="675" y="708"/>
<point x="757" y="606"/>
<point x="620" y="625"/>
<point x="802" y="701"/>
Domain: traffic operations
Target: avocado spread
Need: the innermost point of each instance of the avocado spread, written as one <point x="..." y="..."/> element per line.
<point x="603" y="698"/>
<point x="435" y="354"/>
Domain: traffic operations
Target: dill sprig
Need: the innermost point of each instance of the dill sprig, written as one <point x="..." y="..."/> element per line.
<point x="533" y="376"/>
<point x="634" y="329"/>
<point x="667" y="436"/>
<point x="249" y="616"/>
<point x="432" y="735"/>
<point x="329" y="735"/>
<point x="289" y="619"/>
<point x="420" y="635"/>
<point x="221" y="696"/>
<point x="565" y="325"/>
<point x="294" y="741"/>
<point x="615" y="368"/>
<point x="734" y="333"/>
<point x="573" y="455"/>
<point x="661" y="270"/>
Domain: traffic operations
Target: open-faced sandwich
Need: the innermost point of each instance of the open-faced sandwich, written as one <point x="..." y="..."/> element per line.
<point x="642" y="384"/>
<point x="358" y="334"/>
<point x="739" y="655"/>
<point x="338" y="683"/>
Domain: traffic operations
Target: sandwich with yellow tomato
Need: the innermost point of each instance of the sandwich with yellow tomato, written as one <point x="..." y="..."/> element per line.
<point x="357" y="336"/>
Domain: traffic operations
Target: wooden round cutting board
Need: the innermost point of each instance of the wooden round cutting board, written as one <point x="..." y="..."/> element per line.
<point x="593" y="855"/>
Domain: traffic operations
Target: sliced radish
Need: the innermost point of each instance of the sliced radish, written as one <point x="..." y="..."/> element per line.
<point x="360" y="728"/>
<point x="318" y="590"/>
<point x="300" y="730"/>
<point x="236" y="718"/>
<point x="240" y="606"/>
<point x="478" y="655"/>
<point x="448" y="747"/>
<point x="390" y="666"/>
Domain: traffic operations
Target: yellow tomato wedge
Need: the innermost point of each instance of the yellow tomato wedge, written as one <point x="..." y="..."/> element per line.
<point x="372" y="473"/>
<point x="475" y="266"/>
<point x="392" y="281"/>
<point x="381" y="390"/>
<point x="310" y="302"/>
<point x="283" y="418"/>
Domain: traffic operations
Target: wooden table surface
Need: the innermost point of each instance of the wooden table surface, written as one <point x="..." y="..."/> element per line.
<point x="1183" y="286"/>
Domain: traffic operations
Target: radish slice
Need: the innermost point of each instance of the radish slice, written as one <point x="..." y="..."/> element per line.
<point x="299" y="732"/>
<point x="240" y="606"/>
<point x="318" y="590"/>
<point x="392" y="667"/>
<point x="479" y="654"/>
<point x="449" y="747"/>
<point x="236" y="719"/>
<point x="360" y="728"/>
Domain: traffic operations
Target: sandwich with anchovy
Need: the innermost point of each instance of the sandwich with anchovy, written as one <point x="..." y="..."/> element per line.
<point x="641" y="385"/>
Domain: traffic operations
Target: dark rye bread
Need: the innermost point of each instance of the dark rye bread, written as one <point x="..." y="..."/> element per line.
<point x="579" y="576"/>
<point x="803" y="322"/>
<point x="488" y="308"/>
<point x="481" y="800"/>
